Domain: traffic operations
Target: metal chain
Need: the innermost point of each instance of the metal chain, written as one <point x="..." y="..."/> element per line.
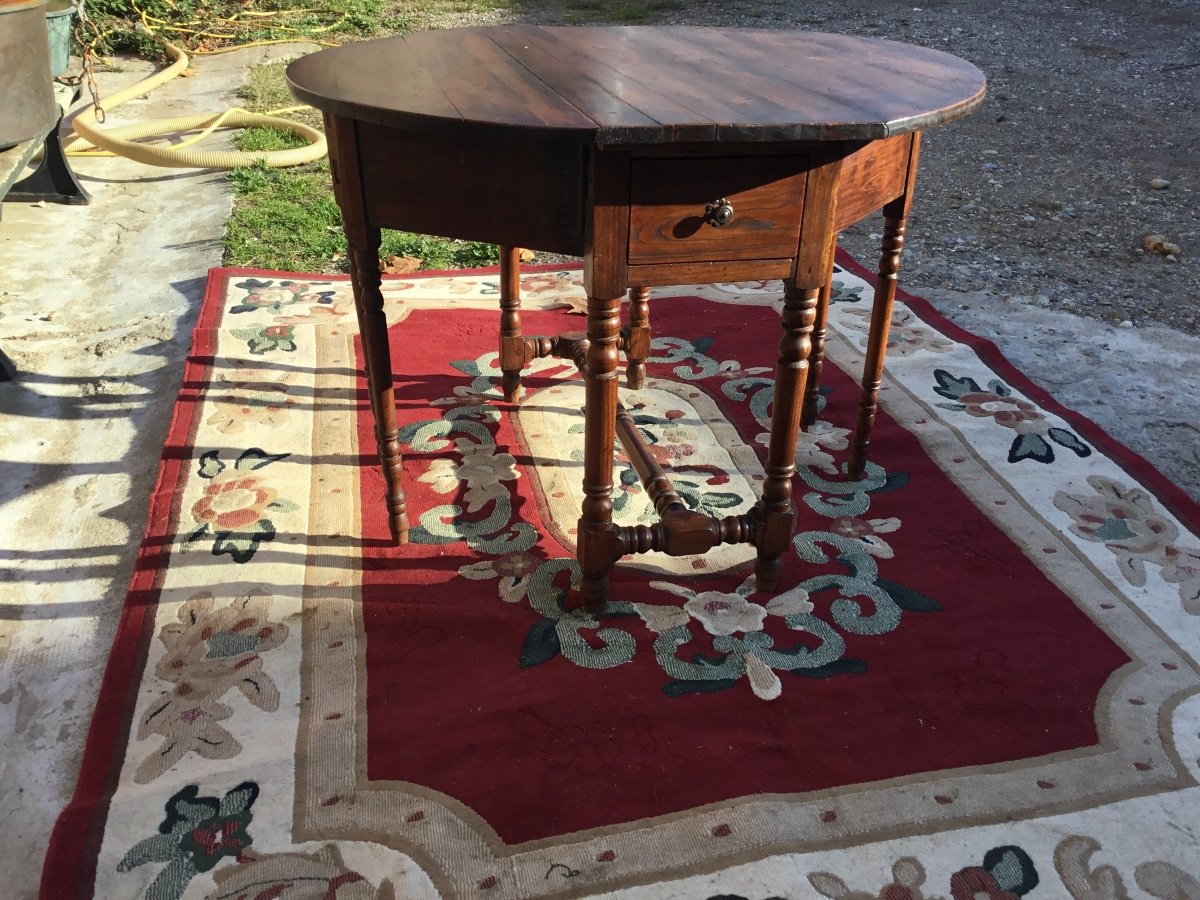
<point x="89" y="55"/>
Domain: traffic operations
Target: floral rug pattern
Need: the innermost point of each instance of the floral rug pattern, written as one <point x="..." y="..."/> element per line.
<point x="484" y="479"/>
<point x="230" y="752"/>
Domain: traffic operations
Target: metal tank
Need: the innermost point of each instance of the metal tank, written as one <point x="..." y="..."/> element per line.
<point x="27" y="105"/>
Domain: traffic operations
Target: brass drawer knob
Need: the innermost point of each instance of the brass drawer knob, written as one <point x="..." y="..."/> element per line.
<point x="718" y="213"/>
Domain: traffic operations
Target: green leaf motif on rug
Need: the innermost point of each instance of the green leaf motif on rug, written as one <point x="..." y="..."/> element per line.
<point x="480" y="474"/>
<point x="235" y="507"/>
<point x="907" y="598"/>
<point x="267" y="338"/>
<point x="541" y="644"/>
<point x="842" y="293"/>
<point x="1035" y="434"/>
<point x="197" y="833"/>
<point x="267" y="295"/>
<point x="715" y="639"/>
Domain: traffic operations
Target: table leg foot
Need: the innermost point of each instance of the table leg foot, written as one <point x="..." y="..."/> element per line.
<point x="598" y="548"/>
<point x="594" y="591"/>
<point x="399" y="528"/>
<point x="510" y="388"/>
<point x="393" y="474"/>
<point x="767" y="570"/>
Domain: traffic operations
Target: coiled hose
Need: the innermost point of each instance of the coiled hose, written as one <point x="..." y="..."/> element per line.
<point x="122" y="141"/>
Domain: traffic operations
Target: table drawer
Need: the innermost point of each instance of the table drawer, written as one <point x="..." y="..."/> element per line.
<point x="669" y="197"/>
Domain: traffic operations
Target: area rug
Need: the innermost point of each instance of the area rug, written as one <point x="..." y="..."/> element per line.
<point x="978" y="677"/>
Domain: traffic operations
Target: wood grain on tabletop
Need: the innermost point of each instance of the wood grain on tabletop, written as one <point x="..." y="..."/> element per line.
<point x="631" y="85"/>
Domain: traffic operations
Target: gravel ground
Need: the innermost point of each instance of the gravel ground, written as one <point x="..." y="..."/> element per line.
<point x="1044" y="195"/>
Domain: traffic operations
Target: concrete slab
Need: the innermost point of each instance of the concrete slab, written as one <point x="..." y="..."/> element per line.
<point x="96" y="307"/>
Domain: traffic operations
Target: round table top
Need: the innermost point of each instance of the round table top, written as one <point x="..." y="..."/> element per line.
<point x="641" y="84"/>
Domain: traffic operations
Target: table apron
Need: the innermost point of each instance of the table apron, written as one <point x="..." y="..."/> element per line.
<point x="534" y="193"/>
<point x="517" y="193"/>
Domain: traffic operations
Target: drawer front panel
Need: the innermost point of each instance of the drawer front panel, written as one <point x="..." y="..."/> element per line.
<point x="668" y="198"/>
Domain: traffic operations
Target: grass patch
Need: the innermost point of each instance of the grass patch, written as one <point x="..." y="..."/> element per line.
<point x="266" y="90"/>
<point x="268" y="139"/>
<point x="203" y="25"/>
<point x="284" y="219"/>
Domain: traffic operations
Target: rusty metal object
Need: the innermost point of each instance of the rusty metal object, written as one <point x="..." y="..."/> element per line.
<point x="29" y="109"/>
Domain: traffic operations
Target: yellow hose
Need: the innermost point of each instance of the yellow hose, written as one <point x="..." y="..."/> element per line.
<point x="121" y="141"/>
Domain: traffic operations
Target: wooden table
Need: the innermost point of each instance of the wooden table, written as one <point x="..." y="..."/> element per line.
<point x="661" y="155"/>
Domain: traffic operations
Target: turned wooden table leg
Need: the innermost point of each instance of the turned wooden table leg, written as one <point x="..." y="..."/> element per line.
<point x="637" y="337"/>
<point x="605" y="279"/>
<point x="597" y="537"/>
<point x="372" y="325"/>
<point x="791" y="370"/>
<point x="816" y="359"/>
<point x="895" y="218"/>
<point x="363" y="251"/>
<point x="512" y="343"/>
<point x="801" y="297"/>
<point x="877" y="338"/>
